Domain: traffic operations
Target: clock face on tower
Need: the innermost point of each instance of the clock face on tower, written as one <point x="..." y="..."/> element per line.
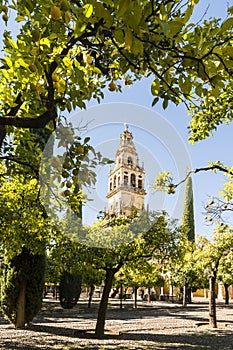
<point x="126" y="180"/>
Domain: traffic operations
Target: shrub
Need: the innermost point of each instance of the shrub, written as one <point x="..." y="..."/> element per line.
<point x="70" y="289"/>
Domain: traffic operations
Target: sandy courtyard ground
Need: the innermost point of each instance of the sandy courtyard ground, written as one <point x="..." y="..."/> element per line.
<point x="158" y="325"/>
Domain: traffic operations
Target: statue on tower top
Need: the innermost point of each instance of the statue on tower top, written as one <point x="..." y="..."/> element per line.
<point x="126" y="127"/>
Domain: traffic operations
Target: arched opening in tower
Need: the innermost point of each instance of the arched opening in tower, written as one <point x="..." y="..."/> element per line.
<point x="133" y="180"/>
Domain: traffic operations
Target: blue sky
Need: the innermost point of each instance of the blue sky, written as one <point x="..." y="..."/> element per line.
<point x="156" y="153"/>
<point x="215" y="148"/>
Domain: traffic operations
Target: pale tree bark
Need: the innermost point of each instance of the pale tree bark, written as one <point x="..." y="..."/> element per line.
<point x="149" y="295"/>
<point x="185" y="295"/>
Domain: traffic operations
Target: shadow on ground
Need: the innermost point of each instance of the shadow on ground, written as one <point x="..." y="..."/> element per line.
<point x="206" y="340"/>
<point x="49" y="331"/>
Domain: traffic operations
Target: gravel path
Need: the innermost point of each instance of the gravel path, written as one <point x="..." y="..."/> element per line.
<point x="155" y="326"/>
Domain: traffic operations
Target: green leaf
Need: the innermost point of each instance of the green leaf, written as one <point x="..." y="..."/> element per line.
<point x="5" y="73"/>
<point x="155" y="86"/>
<point x="228" y="24"/>
<point x="198" y="90"/>
<point x="88" y="10"/>
<point x="228" y="50"/>
<point x="230" y="10"/>
<point x="128" y="39"/>
<point x="53" y="36"/>
<point x="163" y="12"/>
<point x="165" y="26"/>
<point x="20" y="18"/>
<point x="188" y="13"/>
<point x="137" y="13"/>
<point x="137" y="47"/>
<point x="8" y="61"/>
<point x="79" y="27"/>
<point x="86" y="140"/>
<point x="155" y="100"/>
<point x="165" y="102"/>
<point x="185" y="84"/>
<point x="175" y="27"/>
<point x="119" y="35"/>
<point x="12" y="43"/>
<point x="99" y="10"/>
<point x="45" y="41"/>
<point x="123" y="7"/>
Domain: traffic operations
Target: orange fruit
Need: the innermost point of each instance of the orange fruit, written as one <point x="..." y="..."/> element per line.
<point x="65" y="5"/>
<point x="55" y="12"/>
<point x="112" y="86"/>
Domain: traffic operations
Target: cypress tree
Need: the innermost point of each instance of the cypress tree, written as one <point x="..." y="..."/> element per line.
<point x="188" y="210"/>
<point x="70" y="285"/>
<point x="23" y="276"/>
<point x="69" y="289"/>
<point x="22" y="283"/>
<point x="189" y="226"/>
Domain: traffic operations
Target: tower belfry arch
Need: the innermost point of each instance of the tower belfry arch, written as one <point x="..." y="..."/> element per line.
<point x="126" y="180"/>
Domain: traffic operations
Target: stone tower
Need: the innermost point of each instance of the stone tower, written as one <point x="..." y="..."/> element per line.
<point x="126" y="179"/>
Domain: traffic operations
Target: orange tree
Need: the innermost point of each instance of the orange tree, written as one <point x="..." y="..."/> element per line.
<point x="67" y="51"/>
<point x="151" y="236"/>
<point x="105" y="251"/>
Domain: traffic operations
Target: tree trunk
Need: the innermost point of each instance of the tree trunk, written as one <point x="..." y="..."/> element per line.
<point x="185" y="295"/>
<point x="212" y="303"/>
<point x="149" y="295"/>
<point x="2" y="134"/>
<point x="189" y="295"/>
<point x="91" y="295"/>
<point x="20" y="308"/>
<point x="99" y="329"/>
<point x="226" y="293"/>
<point x="135" y="297"/>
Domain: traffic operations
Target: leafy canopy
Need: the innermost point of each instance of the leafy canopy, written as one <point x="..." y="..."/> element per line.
<point x="66" y="52"/>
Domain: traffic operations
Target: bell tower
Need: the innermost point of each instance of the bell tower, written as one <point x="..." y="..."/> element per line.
<point x="126" y="179"/>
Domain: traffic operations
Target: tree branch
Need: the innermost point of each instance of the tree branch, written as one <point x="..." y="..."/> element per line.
<point x="50" y="113"/>
<point x="12" y="159"/>
<point x="208" y="168"/>
<point x="34" y="123"/>
<point x="216" y="208"/>
<point x="2" y="134"/>
<point x="13" y="112"/>
<point x="160" y="76"/>
<point x="122" y="53"/>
